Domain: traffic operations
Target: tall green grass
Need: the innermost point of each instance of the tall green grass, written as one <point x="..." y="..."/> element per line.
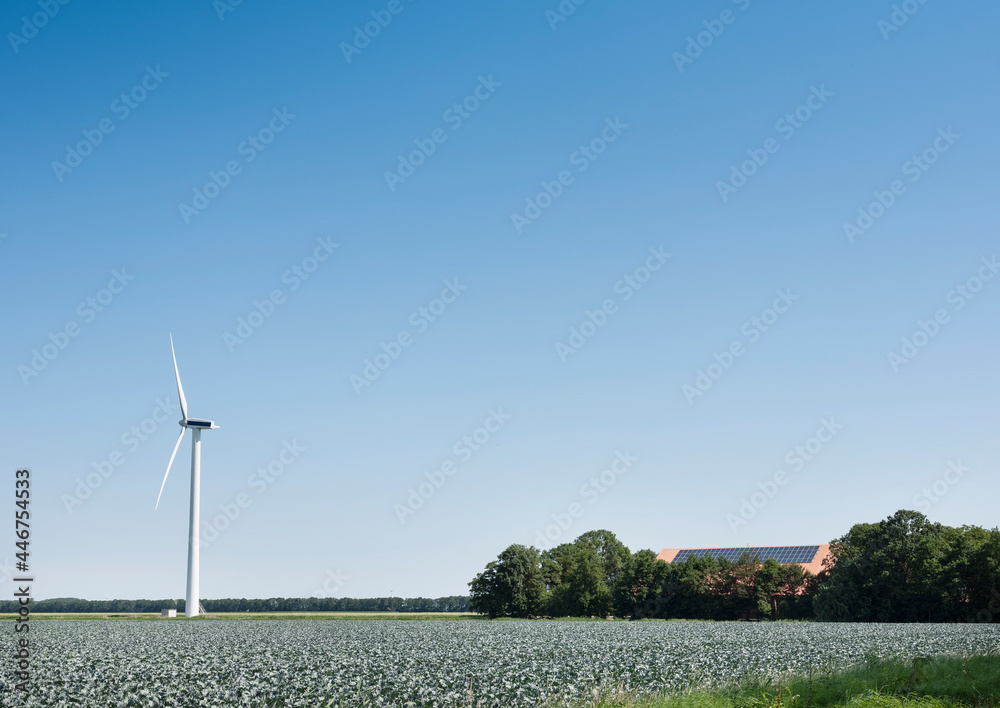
<point x="939" y="682"/>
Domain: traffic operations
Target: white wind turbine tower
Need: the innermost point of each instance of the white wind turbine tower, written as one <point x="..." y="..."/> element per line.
<point x="197" y="425"/>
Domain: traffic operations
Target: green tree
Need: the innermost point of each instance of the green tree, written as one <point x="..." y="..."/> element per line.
<point x="590" y="593"/>
<point x="612" y="552"/>
<point x="781" y="586"/>
<point x="639" y="584"/>
<point x="733" y="591"/>
<point x="769" y="581"/>
<point x="890" y="571"/>
<point x="510" y="586"/>
<point x="969" y="580"/>
<point x="575" y="574"/>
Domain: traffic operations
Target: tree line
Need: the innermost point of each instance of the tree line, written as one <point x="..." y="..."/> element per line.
<point x="273" y="604"/>
<point x="902" y="569"/>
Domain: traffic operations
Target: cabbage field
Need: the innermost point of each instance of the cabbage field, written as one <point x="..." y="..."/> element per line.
<point x="386" y="663"/>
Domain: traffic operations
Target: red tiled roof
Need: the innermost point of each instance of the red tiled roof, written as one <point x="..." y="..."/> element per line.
<point x="814" y="566"/>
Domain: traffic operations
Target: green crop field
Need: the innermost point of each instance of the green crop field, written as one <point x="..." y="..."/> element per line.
<point x="443" y="663"/>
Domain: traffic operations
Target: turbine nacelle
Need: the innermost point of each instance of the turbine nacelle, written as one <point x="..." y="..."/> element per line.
<point x="199" y="423"/>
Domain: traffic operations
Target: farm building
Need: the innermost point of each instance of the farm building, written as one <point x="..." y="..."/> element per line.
<point x="809" y="557"/>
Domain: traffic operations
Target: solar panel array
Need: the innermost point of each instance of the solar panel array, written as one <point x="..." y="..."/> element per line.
<point x="782" y="554"/>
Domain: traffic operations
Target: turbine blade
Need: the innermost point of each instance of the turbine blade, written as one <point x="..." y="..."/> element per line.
<point x="180" y="389"/>
<point x="169" y="465"/>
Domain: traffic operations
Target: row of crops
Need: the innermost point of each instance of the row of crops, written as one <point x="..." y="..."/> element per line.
<point x="385" y="663"/>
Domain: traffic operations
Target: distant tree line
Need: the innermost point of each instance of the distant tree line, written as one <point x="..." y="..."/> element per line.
<point x="902" y="569"/>
<point x="344" y="604"/>
<point x="274" y="604"/>
<point x="74" y="604"/>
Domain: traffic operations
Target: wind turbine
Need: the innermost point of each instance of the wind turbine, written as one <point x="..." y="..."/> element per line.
<point x="196" y="425"/>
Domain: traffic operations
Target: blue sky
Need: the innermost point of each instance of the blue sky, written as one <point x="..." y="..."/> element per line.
<point x="634" y="130"/>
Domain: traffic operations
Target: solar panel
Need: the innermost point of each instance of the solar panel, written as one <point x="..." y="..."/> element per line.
<point x="782" y="554"/>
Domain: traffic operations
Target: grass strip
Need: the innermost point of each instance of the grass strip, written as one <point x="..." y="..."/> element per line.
<point x="927" y="682"/>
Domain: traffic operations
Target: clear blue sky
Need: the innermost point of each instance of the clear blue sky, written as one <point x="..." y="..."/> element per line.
<point x="674" y="130"/>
